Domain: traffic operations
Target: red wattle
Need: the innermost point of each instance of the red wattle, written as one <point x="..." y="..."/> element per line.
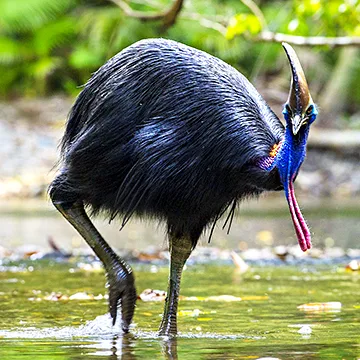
<point x="302" y="230"/>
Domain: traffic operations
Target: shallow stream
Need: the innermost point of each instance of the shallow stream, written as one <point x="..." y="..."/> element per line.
<point x="58" y="310"/>
<point x="263" y="318"/>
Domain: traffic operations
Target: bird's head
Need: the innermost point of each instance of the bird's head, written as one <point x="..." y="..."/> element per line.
<point x="299" y="112"/>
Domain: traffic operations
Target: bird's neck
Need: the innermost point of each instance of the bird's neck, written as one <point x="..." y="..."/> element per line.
<point x="291" y="153"/>
<point x="287" y="155"/>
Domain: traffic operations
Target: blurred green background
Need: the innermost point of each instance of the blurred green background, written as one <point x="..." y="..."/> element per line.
<point x="49" y="46"/>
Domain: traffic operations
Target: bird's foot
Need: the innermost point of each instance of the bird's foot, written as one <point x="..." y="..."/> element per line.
<point x="122" y="293"/>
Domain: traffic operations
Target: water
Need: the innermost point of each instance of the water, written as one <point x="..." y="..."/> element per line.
<point x="265" y="323"/>
<point x="263" y="222"/>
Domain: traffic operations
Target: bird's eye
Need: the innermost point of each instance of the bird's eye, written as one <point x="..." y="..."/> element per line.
<point x="310" y="110"/>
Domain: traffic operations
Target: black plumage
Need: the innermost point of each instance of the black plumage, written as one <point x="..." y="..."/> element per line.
<point x="168" y="131"/>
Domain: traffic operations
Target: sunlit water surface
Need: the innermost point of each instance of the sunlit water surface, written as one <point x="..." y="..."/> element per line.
<point x="265" y="323"/>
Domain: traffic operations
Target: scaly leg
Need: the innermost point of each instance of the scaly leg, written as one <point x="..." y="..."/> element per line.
<point x="180" y="250"/>
<point x="119" y="274"/>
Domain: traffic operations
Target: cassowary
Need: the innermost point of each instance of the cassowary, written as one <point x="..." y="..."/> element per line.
<point x="168" y="132"/>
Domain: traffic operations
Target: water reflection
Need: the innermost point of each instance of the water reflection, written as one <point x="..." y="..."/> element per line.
<point x="123" y="348"/>
<point x="130" y="348"/>
<point x="169" y="349"/>
<point x="333" y="220"/>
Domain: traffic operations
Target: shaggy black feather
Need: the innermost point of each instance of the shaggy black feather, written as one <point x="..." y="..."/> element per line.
<point x="167" y="131"/>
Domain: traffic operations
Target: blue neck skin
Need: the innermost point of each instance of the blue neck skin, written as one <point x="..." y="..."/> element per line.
<point x="293" y="149"/>
<point x="291" y="155"/>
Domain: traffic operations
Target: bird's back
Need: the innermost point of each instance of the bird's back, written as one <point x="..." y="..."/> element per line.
<point x="164" y="129"/>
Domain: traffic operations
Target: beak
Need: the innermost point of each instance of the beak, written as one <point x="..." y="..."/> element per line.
<point x="297" y="122"/>
<point x="299" y="95"/>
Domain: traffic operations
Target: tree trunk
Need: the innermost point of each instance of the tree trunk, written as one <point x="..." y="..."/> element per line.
<point x="333" y="99"/>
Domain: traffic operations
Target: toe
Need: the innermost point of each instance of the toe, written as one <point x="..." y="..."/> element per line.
<point x="122" y="292"/>
<point x="128" y="307"/>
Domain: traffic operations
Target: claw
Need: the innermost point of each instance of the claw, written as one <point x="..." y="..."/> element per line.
<point x="127" y="308"/>
<point x="122" y="293"/>
<point x="114" y="301"/>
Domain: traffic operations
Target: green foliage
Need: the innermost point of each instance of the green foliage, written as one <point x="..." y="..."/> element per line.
<point x="243" y="23"/>
<point x="31" y="33"/>
<point x="48" y="45"/>
<point x="55" y="45"/>
<point x="327" y="18"/>
<point x="22" y="16"/>
<point x="303" y="17"/>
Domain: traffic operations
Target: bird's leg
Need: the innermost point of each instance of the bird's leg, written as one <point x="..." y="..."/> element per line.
<point x="180" y="249"/>
<point x="119" y="274"/>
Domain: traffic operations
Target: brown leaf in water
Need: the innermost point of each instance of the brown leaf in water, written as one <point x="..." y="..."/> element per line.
<point x="54" y="296"/>
<point x="148" y="257"/>
<point x="324" y="307"/>
<point x="30" y="253"/>
<point x="225" y="298"/>
<point x="152" y="295"/>
<point x="353" y="265"/>
<point x="81" y="296"/>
